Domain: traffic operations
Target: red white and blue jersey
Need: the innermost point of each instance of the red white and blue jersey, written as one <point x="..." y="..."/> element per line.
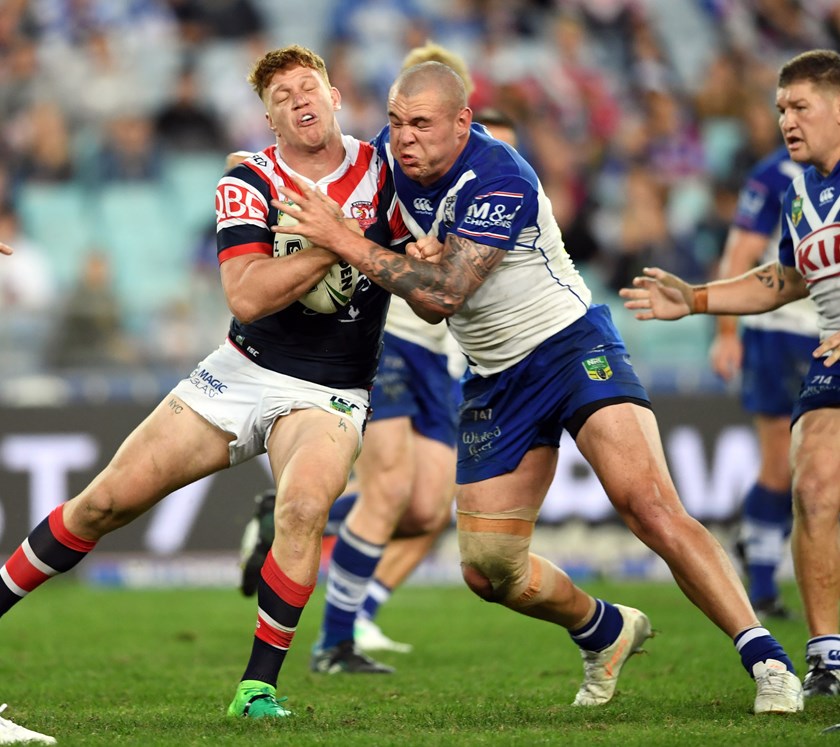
<point x="811" y="241"/>
<point x="759" y="211"/>
<point x="492" y="196"/>
<point x="338" y="350"/>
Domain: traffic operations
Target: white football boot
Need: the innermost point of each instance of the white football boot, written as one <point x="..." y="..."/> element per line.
<point x="778" y="690"/>
<point x="369" y="637"/>
<point x="601" y="668"/>
<point x="12" y="733"/>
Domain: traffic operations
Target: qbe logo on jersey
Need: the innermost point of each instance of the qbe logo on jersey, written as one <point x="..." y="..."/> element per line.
<point x="492" y="214"/>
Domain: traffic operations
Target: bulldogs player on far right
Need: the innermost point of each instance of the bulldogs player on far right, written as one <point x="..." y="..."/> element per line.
<point x="808" y="100"/>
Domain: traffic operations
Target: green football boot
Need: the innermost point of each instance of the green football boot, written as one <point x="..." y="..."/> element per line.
<point x="255" y="699"/>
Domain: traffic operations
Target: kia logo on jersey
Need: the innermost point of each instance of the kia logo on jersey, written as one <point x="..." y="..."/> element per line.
<point x="818" y="255"/>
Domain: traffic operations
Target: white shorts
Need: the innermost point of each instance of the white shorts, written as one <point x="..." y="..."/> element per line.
<point x="239" y="397"/>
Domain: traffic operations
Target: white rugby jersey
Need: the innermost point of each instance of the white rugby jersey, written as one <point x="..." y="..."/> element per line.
<point x="492" y="196"/>
<point x="811" y="241"/>
<point x="405" y="324"/>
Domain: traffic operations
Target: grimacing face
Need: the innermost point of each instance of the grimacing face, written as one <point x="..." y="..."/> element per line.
<point x="300" y="107"/>
<point x="426" y="135"/>
<point x="809" y="118"/>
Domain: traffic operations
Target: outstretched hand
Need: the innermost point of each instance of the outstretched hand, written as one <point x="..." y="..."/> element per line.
<point x="659" y="295"/>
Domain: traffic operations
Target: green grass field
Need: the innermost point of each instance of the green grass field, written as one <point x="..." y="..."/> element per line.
<point x="108" y="667"/>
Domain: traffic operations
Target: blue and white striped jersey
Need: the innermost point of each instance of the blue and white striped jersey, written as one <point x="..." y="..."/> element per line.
<point x="811" y="241"/>
<point x="759" y="210"/>
<point x="492" y="196"/>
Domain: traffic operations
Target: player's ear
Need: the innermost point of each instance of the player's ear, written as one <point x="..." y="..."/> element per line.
<point x="270" y="123"/>
<point x="464" y="120"/>
<point x="336" y="98"/>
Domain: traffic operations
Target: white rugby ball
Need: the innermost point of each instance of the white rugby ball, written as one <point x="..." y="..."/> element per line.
<point x="335" y="290"/>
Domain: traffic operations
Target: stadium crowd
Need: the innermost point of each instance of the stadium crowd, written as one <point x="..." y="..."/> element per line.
<point x="642" y="118"/>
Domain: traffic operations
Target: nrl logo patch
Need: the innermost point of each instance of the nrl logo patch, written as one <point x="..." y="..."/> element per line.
<point x="796" y="211"/>
<point x="597" y="369"/>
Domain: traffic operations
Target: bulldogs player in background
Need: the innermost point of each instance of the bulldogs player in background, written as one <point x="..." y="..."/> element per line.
<point x="286" y="381"/>
<point x="808" y="100"/>
<point x="780" y="341"/>
<point x="541" y="358"/>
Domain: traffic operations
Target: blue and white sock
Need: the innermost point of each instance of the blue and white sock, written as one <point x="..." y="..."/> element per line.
<point x="765" y="525"/>
<point x="602" y="630"/>
<point x="827" y="648"/>
<point x="352" y="565"/>
<point x="756" y="644"/>
<point x="377" y="595"/>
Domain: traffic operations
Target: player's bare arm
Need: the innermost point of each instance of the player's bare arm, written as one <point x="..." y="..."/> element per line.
<point x="257" y="285"/>
<point x="660" y="295"/>
<point x="434" y="290"/>
<point x="5" y="248"/>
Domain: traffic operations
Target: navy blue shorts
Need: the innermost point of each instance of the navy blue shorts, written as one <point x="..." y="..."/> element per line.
<point x="414" y="382"/>
<point x="567" y="378"/>
<point x="821" y="389"/>
<point x="775" y="364"/>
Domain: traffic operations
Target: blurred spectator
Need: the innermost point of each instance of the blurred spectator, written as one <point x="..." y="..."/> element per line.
<point x="26" y="279"/>
<point x="612" y="25"/>
<point x="375" y="36"/>
<point x="761" y="134"/>
<point x="27" y="298"/>
<point x="88" y="329"/>
<point x="636" y="235"/>
<point x="129" y="152"/>
<point x="675" y="150"/>
<point x="207" y="20"/>
<point x="577" y="93"/>
<point x="186" y="124"/>
<point x="721" y="93"/>
<point x="362" y="113"/>
<point x="46" y="155"/>
<point x="701" y="251"/>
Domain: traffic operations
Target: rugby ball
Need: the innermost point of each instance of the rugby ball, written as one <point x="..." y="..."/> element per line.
<point x="335" y="290"/>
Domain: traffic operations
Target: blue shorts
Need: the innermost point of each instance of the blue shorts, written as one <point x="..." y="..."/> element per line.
<point x="775" y="363"/>
<point x="558" y="386"/>
<point x="414" y="382"/>
<point x="821" y="389"/>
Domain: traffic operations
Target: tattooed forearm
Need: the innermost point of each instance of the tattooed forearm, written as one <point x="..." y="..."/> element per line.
<point x="442" y="287"/>
<point x="175" y="406"/>
<point x="772" y="276"/>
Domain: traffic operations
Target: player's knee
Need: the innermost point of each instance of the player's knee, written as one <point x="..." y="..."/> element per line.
<point x="477" y="582"/>
<point x="495" y="560"/>
<point x="422" y="520"/>
<point x="302" y="512"/>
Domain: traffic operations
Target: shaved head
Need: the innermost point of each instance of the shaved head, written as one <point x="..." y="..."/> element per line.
<point x="432" y="76"/>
